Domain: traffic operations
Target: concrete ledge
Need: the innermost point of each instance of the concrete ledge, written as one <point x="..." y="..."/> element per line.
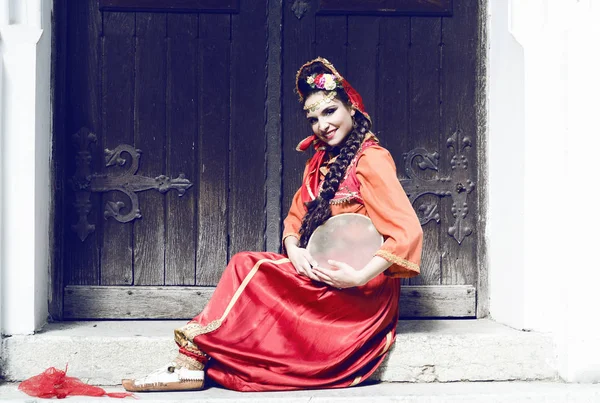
<point x="467" y="350"/>
<point x="102" y="353"/>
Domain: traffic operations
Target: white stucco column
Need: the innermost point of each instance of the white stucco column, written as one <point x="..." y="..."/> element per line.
<point x="542" y="238"/>
<point x="3" y="22"/>
<point x="579" y="342"/>
<point x="25" y="116"/>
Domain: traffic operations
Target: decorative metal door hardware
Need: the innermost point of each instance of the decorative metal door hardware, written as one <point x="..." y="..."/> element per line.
<point x="84" y="182"/>
<point x="458" y="185"/>
<point x="300" y="7"/>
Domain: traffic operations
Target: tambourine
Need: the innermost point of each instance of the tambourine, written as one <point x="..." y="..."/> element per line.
<point x="349" y="238"/>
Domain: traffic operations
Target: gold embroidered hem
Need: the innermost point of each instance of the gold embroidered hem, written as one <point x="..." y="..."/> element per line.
<point x="356" y="381"/>
<point x="184" y="361"/>
<point x="388" y="343"/>
<point x="186" y="334"/>
<point x="390" y="257"/>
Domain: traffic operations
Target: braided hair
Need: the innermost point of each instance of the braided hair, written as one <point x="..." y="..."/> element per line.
<point x="319" y="210"/>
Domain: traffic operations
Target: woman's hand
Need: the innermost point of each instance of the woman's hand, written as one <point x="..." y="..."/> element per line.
<point x="343" y="276"/>
<point x="302" y="261"/>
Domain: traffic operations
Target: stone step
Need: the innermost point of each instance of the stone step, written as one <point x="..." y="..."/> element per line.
<point x="104" y="352"/>
<point x="456" y="392"/>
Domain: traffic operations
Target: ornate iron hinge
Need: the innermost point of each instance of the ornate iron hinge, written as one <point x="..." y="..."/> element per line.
<point x="458" y="185"/>
<point x="84" y="182"/>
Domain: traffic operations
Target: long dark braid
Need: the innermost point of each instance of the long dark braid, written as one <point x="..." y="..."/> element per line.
<point x="319" y="210"/>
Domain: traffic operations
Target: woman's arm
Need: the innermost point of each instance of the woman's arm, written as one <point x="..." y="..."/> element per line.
<point x="394" y="217"/>
<point x="293" y="221"/>
<point x="300" y="258"/>
<point x="347" y="276"/>
<point x="391" y="212"/>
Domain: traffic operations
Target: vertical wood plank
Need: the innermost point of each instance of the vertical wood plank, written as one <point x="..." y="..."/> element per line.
<point x="247" y="136"/>
<point x="118" y="71"/>
<point x="331" y="39"/>
<point x="424" y="109"/>
<point x="213" y="151"/>
<point x="82" y="259"/>
<point x="391" y="112"/>
<point x="273" y="126"/>
<point x="149" y="136"/>
<point x="299" y="47"/>
<point x="483" y="300"/>
<point x="363" y="46"/>
<point x="459" y="61"/>
<point x="390" y="116"/>
<point x="182" y="126"/>
<point x="58" y="218"/>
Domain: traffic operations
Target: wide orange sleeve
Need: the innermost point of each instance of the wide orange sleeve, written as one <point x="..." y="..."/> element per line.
<point x="291" y="224"/>
<point x="391" y="212"/>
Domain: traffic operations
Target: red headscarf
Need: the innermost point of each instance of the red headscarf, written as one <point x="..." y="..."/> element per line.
<point x="312" y="180"/>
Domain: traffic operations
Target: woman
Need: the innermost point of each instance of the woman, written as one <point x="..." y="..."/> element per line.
<point x="279" y="322"/>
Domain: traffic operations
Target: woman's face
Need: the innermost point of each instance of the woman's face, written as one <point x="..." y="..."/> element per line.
<point x="330" y="121"/>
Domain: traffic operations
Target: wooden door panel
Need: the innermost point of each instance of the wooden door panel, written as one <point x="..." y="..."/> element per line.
<point x="109" y="302"/>
<point x="117" y="127"/>
<point x="300" y="43"/>
<point x="167" y="85"/>
<point x="188" y="89"/>
<point x="149" y="115"/>
<point x="214" y="72"/>
<point x="182" y="108"/>
<point x="331" y="38"/>
<point x="247" y="137"/>
<point x="81" y="259"/>
<point x="424" y="58"/>
<point x="459" y="121"/>
<point x="409" y="73"/>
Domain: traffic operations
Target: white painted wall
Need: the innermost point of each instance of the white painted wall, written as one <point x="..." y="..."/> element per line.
<point x="3" y="22"/>
<point x="25" y="44"/>
<point x="542" y="227"/>
<point x="580" y="340"/>
<point x="506" y="163"/>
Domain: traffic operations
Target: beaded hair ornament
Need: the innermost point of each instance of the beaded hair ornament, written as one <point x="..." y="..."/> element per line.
<point x="325" y="82"/>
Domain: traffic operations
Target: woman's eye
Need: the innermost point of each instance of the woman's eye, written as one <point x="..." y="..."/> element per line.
<point x="329" y="111"/>
<point x="312" y="121"/>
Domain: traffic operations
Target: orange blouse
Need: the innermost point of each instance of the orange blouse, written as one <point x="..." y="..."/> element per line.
<point x="385" y="203"/>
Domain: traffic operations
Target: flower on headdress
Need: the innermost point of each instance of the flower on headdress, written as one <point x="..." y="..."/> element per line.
<point x="323" y="81"/>
<point x="329" y="82"/>
<point x="320" y="81"/>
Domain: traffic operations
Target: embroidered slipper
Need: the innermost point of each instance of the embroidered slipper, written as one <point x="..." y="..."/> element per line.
<point x="168" y="378"/>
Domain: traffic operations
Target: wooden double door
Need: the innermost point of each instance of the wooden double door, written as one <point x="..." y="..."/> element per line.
<point x="175" y="132"/>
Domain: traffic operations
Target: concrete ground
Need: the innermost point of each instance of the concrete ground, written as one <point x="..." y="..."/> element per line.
<point x="456" y="392"/>
<point x="104" y="352"/>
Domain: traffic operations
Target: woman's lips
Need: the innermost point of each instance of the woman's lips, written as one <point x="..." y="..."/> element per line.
<point x="329" y="135"/>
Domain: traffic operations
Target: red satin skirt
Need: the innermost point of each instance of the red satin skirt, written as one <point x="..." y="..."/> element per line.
<point x="268" y="328"/>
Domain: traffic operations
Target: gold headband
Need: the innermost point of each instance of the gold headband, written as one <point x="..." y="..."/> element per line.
<point x="325" y="100"/>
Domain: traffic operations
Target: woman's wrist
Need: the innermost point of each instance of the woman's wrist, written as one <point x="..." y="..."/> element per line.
<point x="363" y="277"/>
<point x="376" y="266"/>
<point x="290" y="242"/>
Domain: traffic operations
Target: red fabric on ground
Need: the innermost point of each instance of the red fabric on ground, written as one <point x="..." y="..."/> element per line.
<point x="54" y="382"/>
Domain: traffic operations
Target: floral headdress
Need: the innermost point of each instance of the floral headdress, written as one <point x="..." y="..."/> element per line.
<point x="324" y="82"/>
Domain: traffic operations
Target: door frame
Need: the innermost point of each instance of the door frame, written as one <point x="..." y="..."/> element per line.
<point x="273" y="157"/>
